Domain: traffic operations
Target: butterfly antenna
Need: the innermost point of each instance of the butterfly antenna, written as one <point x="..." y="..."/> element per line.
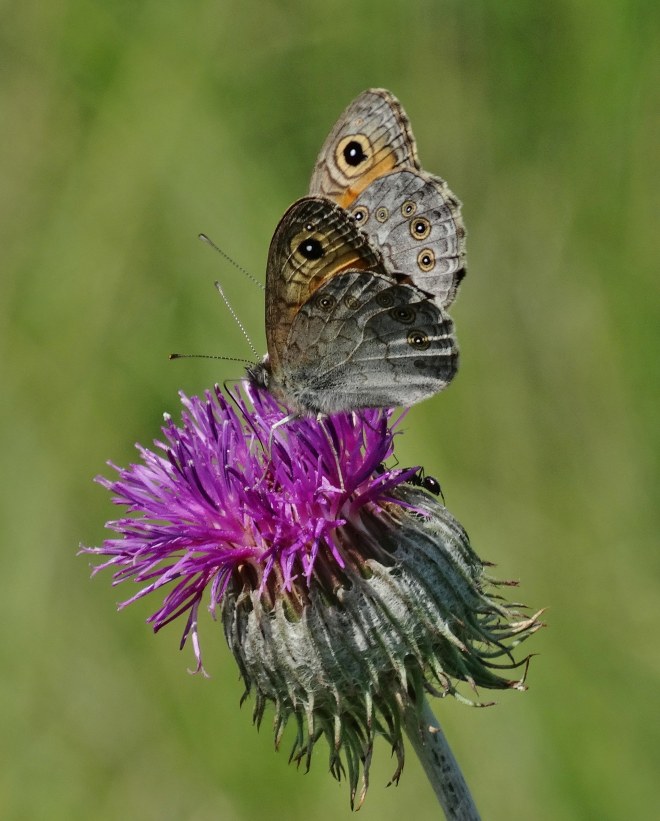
<point x="210" y="356"/>
<point x="253" y="279"/>
<point x="236" y="319"/>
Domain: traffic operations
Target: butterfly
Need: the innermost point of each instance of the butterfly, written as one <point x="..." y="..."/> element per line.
<point x="342" y="332"/>
<point x="355" y="311"/>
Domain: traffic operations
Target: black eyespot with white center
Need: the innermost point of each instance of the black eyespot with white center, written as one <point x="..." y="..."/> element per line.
<point x="408" y="208"/>
<point x="420" y="228"/>
<point x="360" y="214"/>
<point x="426" y="259"/>
<point x="311" y="249"/>
<point x="354" y="153"/>
<point x="325" y="303"/>
<point x="403" y="313"/>
<point x="418" y="340"/>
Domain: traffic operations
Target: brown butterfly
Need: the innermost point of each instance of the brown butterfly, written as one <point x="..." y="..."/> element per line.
<point x="342" y="332"/>
<point x="355" y="318"/>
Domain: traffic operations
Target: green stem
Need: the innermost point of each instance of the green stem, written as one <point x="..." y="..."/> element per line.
<point x="440" y="766"/>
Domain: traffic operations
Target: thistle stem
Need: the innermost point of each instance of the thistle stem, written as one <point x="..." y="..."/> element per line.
<point x="440" y="766"/>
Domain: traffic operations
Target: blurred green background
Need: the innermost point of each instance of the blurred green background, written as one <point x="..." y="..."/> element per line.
<point x="129" y="127"/>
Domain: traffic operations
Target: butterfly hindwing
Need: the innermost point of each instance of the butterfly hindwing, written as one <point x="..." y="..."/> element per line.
<point x="367" y="340"/>
<point x="415" y="221"/>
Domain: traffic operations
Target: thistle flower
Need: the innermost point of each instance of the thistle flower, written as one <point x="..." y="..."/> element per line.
<point x="345" y="590"/>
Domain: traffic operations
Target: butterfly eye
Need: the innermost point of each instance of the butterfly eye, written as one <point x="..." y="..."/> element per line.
<point x="382" y="214"/>
<point x="311" y="249"/>
<point x="408" y="208"/>
<point x="420" y="228"/>
<point x="360" y="214"/>
<point x="354" y="153"/>
<point x="403" y="314"/>
<point x="426" y="259"/>
<point x="418" y="340"/>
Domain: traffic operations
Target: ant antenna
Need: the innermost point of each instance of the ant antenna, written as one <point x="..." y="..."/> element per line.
<point x="236" y="319"/>
<point x="210" y="242"/>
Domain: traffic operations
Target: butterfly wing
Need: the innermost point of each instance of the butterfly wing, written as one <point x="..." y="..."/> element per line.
<point x="364" y="340"/>
<point x="314" y="241"/>
<point x="415" y="221"/>
<point x="372" y="136"/>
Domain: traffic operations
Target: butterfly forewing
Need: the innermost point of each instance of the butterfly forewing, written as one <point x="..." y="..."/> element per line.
<point x="370" y="138"/>
<point x="314" y="241"/>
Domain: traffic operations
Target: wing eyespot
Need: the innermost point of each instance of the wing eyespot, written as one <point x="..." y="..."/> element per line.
<point x="325" y="303"/>
<point x="408" y="208"/>
<point x="404" y="314"/>
<point x="385" y="299"/>
<point x="310" y="249"/>
<point x="418" y="340"/>
<point x="426" y="260"/>
<point x="420" y="228"/>
<point x="354" y="155"/>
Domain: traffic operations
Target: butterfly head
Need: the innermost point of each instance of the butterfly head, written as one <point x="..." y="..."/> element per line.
<point x="259" y="373"/>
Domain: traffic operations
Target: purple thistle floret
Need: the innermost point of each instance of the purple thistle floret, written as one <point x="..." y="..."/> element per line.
<point x="228" y="490"/>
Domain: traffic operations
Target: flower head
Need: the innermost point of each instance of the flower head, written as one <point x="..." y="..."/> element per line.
<point x="345" y="590"/>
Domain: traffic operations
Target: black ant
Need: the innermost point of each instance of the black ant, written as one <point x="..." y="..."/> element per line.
<point x="420" y="479"/>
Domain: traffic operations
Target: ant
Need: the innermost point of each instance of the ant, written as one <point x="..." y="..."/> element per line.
<point x="420" y="479"/>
